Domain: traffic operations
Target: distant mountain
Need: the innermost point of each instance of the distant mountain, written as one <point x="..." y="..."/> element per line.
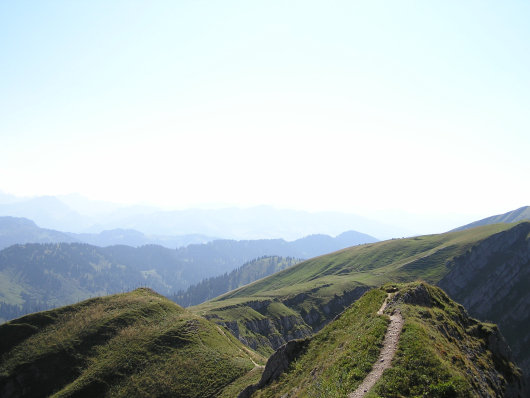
<point x="15" y="230"/>
<point x="76" y="214"/>
<point x="35" y="276"/>
<point x="520" y="214"/>
<point x="47" y="211"/>
<point x="247" y="273"/>
<point x="251" y="223"/>
<point x="131" y="237"/>
<point x="137" y="344"/>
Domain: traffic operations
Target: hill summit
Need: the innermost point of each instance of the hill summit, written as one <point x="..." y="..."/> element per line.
<point x="135" y="344"/>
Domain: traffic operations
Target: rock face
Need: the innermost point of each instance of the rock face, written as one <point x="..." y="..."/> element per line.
<point x="275" y="330"/>
<point x="277" y="364"/>
<point x="492" y="282"/>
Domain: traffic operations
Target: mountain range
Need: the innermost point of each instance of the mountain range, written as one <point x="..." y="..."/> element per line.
<point x="78" y="215"/>
<point x="354" y="322"/>
<point x="40" y="276"/>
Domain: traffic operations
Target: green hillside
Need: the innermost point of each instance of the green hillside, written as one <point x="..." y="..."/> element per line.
<point x="316" y="290"/>
<point x="487" y="269"/>
<point x="441" y="352"/>
<point x="136" y="344"/>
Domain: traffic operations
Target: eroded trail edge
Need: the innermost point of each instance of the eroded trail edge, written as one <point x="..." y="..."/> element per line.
<point x="384" y="361"/>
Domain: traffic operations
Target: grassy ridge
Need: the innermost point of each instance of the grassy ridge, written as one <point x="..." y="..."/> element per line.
<point x="134" y="344"/>
<point x="318" y="289"/>
<point x="371" y="264"/>
<point x="441" y="352"/>
<point x="339" y="356"/>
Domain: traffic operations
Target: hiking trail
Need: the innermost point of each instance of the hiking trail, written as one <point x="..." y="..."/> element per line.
<point x="384" y="361"/>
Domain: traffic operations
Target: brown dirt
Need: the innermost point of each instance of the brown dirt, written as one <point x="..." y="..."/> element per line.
<point x="384" y="361"/>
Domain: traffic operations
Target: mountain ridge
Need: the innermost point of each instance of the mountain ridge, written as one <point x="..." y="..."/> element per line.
<point x="302" y="299"/>
<point x="520" y="214"/>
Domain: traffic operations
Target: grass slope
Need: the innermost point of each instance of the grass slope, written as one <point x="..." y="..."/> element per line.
<point x="318" y="289"/>
<point x="133" y="344"/>
<point x="441" y="352"/>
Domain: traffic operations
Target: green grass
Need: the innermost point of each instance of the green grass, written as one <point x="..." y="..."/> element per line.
<point x="339" y="356"/>
<point x="134" y="344"/>
<point x="317" y="285"/>
<point x="441" y="352"/>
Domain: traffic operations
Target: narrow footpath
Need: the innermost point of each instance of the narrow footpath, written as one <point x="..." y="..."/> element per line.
<point x="390" y="344"/>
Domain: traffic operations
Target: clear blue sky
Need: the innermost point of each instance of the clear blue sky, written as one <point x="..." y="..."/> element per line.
<point x="343" y="105"/>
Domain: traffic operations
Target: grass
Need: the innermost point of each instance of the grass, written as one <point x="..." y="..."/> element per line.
<point x="134" y="344"/>
<point x="441" y="352"/>
<point x="339" y="356"/>
<point x="323" y="286"/>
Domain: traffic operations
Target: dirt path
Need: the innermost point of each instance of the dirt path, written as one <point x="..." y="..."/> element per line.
<point x="256" y="365"/>
<point x="387" y="352"/>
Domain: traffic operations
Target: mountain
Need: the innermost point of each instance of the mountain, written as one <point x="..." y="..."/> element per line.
<point x="247" y="273"/>
<point x="135" y="344"/>
<point x="251" y="223"/>
<point x="15" y="230"/>
<point x="47" y="211"/>
<point x="76" y="214"/>
<point x="131" y="237"/>
<point x="35" y="277"/>
<point x="521" y="214"/>
<point x="486" y="262"/>
<point x="441" y="352"/>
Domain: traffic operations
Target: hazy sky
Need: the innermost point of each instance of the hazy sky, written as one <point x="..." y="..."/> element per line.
<point x="351" y="106"/>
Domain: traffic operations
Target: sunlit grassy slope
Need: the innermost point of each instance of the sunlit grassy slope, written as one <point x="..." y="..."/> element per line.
<point x="372" y="264"/>
<point x="318" y="289"/>
<point x="133" y="344"/>
<point x="441" y="351"/>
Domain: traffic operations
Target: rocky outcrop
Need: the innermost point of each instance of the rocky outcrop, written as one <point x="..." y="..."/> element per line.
<point x="491" y="281"/>
<point x="273" y="331"/>
<point x="277" y="364"/>
<point x="319" y="316"/>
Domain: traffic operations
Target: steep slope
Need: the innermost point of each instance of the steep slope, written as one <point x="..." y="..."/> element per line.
<point x="492" y="281"/>
<point x="15" y="230"/>
<point x="521" y="214"/>
<point x="316" y="290"/>
<point x="247" y="273"/>
<point x="135" y="344"/>
<point x="441" y="352"/>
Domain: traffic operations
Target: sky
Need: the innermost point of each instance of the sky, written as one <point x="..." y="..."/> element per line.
<point x="368" y="107"/>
